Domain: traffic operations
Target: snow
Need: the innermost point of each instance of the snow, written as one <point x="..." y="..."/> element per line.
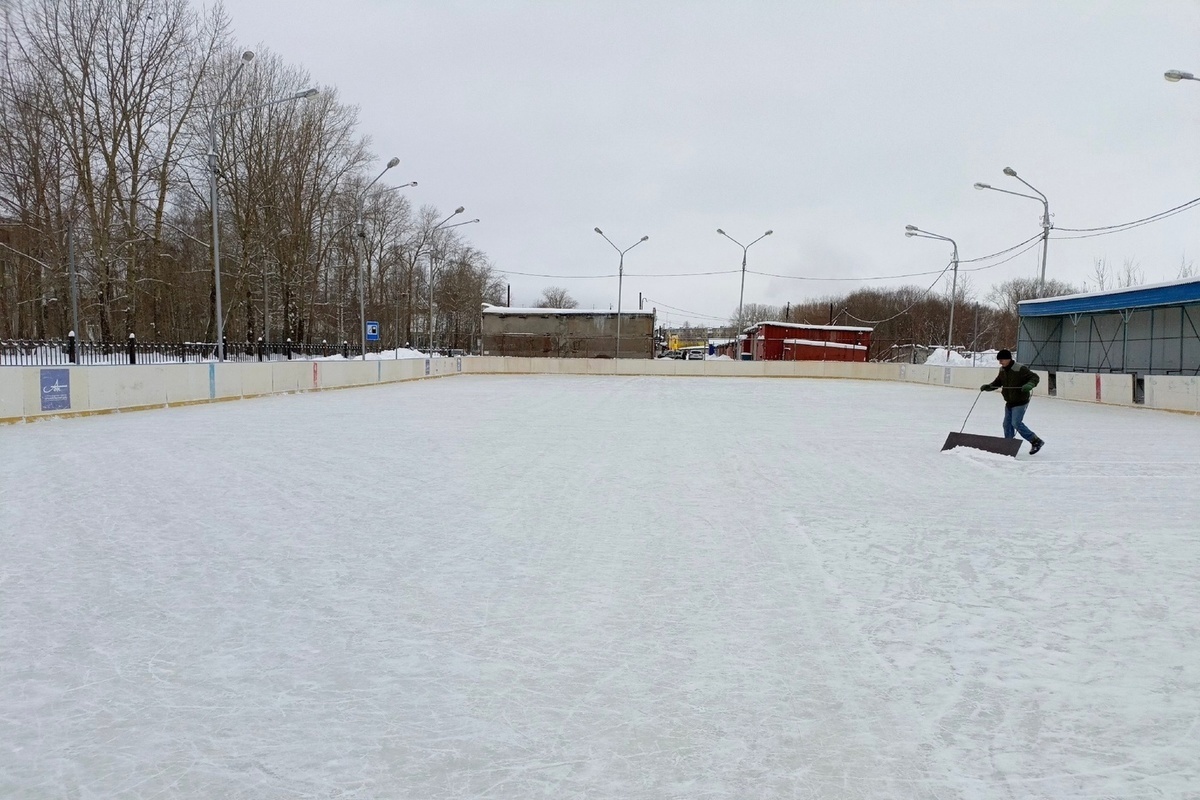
<point x="822" y="343"/>
<point x="554" y="312"/>
<point x="806" y="326"/>
<point x="55" y="356"/>
<point x="385" y="355"/>
<point x="600" y="587"/>
<point x="941" y="358"/>
<point x="1114" y="291"/>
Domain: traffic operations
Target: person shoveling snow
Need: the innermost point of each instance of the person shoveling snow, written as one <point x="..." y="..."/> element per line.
<point x="1016" y="382"/>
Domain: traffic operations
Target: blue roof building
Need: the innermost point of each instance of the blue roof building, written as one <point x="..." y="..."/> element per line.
<point x="1141" y="330"/>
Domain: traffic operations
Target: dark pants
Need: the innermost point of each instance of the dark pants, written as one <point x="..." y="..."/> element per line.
<point x="1014" y="423"/>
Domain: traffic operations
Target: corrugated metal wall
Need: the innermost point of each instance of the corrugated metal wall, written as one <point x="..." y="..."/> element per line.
<point x="1160" y="341"/>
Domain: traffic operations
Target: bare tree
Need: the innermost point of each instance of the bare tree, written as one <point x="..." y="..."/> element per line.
<point x="757" y="312"/>
<point x="1187" y="268"/>
<point x="1101" y="274"/>
<point x="108" y="87"/>
<point x="1130" y="275"/>
<point x="105" y="109"/>
<point x="1006" y="296"/>
<point x="556" y="297"/>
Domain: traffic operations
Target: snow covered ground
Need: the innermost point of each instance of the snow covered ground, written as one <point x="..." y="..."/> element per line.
<point x="573" y="587"/>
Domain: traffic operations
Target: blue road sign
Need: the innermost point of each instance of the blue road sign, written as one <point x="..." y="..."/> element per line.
<point x="372" y="331"/>
<point x="56" y="389"/>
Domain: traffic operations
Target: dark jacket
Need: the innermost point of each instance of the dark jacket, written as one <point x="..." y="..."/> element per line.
<point x="1011" y="379"/>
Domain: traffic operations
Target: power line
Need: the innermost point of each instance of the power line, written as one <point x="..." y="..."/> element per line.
<point x="1131" y="225"/>
<point x="1151" y="218"/>
<point x="1031" y="244"/>
<point x="1033" y="238"/>
<point x="681" y="274"/>
<point x="683" y="310"/>
<point x="1005" y="261"/>
<point x="1001" y="252"/>
<point x="627" y="274"/>
<point x="544" y="275"/>
<point x="920" y="297"/>
<point x="1085" y="233"/>
<point x="814" y="278"/>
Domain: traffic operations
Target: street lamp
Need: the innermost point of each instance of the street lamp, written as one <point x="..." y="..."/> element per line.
<point x="362" y="238"/>
<point x="441" y="224"/>
<point x="217" y="115"/>
<point x="1175" y="76"/>
<point x="1041" y="198"/>
<point x="913" y="230"/>
<point x="620" y="280"/>
<point x="402" y="294"/>
<point x="745" y="247"/>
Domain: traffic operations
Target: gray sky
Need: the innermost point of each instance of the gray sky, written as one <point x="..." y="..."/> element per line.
<point x="833" y="123"/>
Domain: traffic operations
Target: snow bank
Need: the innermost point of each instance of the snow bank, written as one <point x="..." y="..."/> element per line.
<point x="386" y="355"/>
<point x="941" y="358"/>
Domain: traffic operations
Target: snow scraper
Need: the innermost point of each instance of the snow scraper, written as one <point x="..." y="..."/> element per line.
<point x="990" y="444"/>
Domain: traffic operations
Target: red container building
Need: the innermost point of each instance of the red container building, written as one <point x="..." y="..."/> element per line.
<point x="790" y="341"/>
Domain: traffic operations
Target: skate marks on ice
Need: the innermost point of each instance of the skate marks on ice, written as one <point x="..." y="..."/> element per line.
<point x="583" y="592"/>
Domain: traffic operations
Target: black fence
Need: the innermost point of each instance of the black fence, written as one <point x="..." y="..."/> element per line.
<point x="50" y="352"/>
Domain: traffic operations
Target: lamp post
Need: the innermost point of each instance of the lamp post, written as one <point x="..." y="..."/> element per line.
<point x="913" y="230"/>
<point x="441" y="224"/>
<point x="1041" y="198"/>
<point x="745" y="247"/>
<point x="620" y="281"/>
<point x="1175" y="76"/>
<point x="362" y="240"/>
<point x="217" y="115"/>
<point x="403" y="294"/>
<point x="73" y="279"/>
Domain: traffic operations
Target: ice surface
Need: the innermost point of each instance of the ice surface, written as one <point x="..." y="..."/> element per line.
<point x="573" y="587"/>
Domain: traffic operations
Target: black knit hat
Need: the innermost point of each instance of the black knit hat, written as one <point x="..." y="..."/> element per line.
<point x="1004" y="355"/>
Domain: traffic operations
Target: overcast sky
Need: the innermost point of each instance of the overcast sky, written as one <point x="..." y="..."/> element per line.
<point x="833" y="123"/>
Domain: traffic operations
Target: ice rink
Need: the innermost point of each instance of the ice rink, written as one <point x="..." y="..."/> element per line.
<point x="573" y="587"/>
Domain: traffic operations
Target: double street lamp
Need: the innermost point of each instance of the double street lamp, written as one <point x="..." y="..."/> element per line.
<point x="1041" y="198"/>
<point x="395" y="189"/>
<point x="620" y="281"/>
<point x="362" y="238"/>
<point x="439" y="226"/>
<point x="913" y="230"/>
<point x="217" y="116"/>
<point x="742" y="293"/>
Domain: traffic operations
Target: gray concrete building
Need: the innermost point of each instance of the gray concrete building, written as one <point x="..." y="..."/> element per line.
<point x="566" y="333"/>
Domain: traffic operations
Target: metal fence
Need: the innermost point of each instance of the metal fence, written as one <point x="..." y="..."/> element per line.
<point x="50" y="352"/>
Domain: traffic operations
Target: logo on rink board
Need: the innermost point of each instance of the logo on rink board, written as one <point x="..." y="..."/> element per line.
<point x="56" y="389"/>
